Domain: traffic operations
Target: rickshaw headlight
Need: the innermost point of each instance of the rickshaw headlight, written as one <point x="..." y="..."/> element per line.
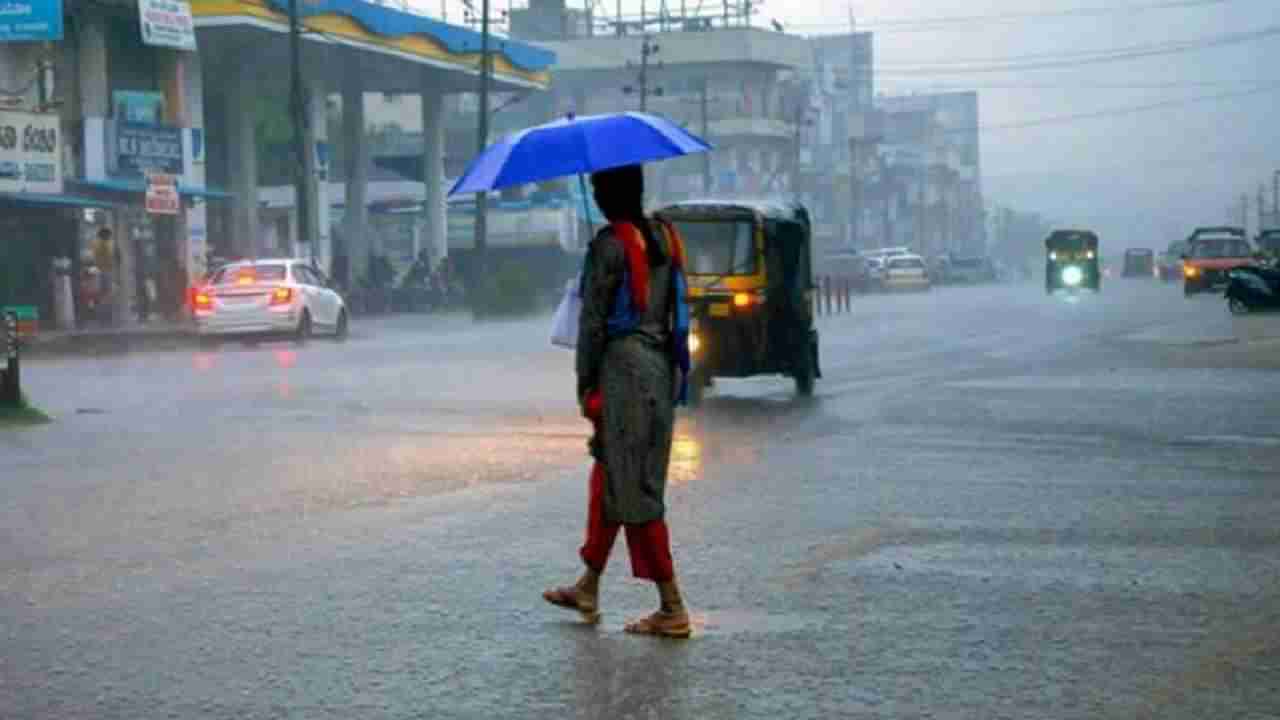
<point x="695" y="343"/>
<point x="1072" y="276"/>
<point x="741" y="300"/>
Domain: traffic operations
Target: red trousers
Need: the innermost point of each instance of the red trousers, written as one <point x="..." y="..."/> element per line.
<point x="648" y="544"/>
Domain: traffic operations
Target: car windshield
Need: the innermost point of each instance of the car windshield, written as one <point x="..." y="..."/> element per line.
<point x="719" y="247"/>
<point x="1224" y="247"/>
<point x="905" y="264"/>
<point x="245" y="274"/>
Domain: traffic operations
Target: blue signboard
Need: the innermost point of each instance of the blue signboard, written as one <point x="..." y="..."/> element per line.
<point x="30" y="20"/>
<point x="148" y="148"/>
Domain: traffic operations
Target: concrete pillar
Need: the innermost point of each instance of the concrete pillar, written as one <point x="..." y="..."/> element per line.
<point x="355" y="218"/>
<point x="318" y="174"/>
<point x="195" y="149"/>
<point x="242" y="160"/>
<point x="434" y="206"/>
<point x="94" y="95"/>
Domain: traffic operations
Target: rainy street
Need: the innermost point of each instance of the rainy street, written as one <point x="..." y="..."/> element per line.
<point x="999" y="505"/>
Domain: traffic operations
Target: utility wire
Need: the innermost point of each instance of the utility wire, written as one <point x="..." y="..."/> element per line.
<point x="926" y="24"/>
<point x="1114" y="112"/>
<point x="1068" y="61"/>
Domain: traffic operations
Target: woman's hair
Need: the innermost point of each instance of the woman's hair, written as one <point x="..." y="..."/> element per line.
<point x="619" y="192"/>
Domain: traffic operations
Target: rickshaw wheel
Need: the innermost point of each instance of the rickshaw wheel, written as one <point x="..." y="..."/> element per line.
<point x="804" y="374"/>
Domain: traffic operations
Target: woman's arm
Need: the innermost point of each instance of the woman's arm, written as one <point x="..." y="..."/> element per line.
<point x="604" y="272"/>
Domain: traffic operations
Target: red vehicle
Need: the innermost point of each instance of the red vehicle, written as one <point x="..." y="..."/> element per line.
<point x="1211" y="254"/>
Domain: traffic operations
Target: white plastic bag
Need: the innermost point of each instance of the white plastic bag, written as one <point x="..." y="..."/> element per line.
<point x="564" y="325"/>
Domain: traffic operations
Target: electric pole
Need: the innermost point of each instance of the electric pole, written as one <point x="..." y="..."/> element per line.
<point x="482" y="141"/>
<point x="301" y="128"/>
<point x="706" y="157"/>
<point x="648" y="49"/>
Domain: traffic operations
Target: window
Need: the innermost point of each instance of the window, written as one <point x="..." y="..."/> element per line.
<point x="249" y="274"/>
<point x="719" y="247"/>
<point x="906" y="264"/>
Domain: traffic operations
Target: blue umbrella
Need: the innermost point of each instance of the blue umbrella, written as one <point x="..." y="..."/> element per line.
<point x="575" y="146"/>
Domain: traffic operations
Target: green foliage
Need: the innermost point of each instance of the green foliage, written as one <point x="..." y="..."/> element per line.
<point x="22" y="414"/>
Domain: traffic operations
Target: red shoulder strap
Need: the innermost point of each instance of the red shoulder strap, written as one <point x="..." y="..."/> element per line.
<point x="637" y="262"/>
<point x="674" y="242"/>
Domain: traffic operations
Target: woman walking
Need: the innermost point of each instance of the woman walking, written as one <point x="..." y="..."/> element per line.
<point x="632" y="342"/>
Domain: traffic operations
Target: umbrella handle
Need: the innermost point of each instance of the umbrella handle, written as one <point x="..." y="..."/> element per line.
<point x="586" y="205"/>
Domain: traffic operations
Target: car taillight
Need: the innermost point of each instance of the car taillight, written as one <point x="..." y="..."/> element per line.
<point x="282" y="296"/>
<point x="202" y="300"/>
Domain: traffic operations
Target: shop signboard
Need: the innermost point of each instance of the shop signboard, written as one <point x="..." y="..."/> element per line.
<point x="30" y="153"/>
<point x="30" y="20"/>
<point x="162" y="194"/>
<point x="137" y="107"/>
<point x="167" y="23"/>
<point x="147" y="148"/>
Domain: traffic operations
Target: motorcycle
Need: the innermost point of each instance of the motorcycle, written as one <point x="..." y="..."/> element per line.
<point x="1253" y="289"/>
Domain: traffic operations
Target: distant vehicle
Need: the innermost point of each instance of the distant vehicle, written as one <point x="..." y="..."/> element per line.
<point x="1211" y="254"/>
<point x="1268" y="243"/>
<point x="875" y="273"/>
<point x="971" y="270"/>
<point x="906" y="272"/>
<point x="1072" y="261"/>
<point x="268" y="298"/>
<point x="1252" y="289"/>
<point x="1169" y="262"/>
<point x="1138" y="262"/>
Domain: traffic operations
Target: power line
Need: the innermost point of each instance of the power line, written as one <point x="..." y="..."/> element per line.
<point x="1115" y="112"/>
<point x="959" y="21"/>
<point x="1069" y="61"/>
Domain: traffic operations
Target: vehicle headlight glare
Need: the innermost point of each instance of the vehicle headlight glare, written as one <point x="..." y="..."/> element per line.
<point x="695" y="343"/>
<point x="1072" y="276"/>
<point x="1053" y="256"/>
<point x="1090" y="254"/>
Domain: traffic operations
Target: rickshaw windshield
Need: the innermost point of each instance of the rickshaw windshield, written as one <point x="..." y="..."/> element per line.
<point x="1072" y="242"/>
<point x="719" y="247"/>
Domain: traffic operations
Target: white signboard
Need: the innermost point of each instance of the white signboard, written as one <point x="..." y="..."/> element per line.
<point x="30" y="153"/>
<point x="162" y="194"/>
<point x="167" y="23"/>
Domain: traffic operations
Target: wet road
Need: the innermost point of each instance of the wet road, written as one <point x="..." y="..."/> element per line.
<point x="1000" y="505"/>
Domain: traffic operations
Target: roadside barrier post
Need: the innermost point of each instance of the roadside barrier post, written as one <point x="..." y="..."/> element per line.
<point x="826" y="292"/>
<point x="11" y="383"/>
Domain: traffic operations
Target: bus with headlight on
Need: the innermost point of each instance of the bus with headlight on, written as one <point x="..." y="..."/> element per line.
<point x="1071" y="261"/>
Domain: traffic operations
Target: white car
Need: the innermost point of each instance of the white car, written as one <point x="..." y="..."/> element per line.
<point x="268" y="297"/>
<point x="906" y="272"/>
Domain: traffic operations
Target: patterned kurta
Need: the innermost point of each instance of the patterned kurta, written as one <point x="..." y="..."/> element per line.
<point x="635" y="374"/>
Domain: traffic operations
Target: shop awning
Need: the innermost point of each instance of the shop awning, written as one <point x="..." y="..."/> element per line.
<point x="48" y="200"/>
<point x="140" y="186"/>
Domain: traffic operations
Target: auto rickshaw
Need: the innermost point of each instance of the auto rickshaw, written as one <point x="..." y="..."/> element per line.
<point x="1071" y="261"/>
<point x="750" y="291"/>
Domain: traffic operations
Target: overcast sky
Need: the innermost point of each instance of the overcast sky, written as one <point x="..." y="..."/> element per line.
<point x="1138" y="178"/>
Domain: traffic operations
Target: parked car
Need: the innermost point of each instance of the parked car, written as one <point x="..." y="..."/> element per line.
<point x="1211" y="254"/>
<point x="875" y="273"/>
<point x="906" y="272"/>
<point x="1169" y="262"/>
<point x="268" y="298"/>
<point x="1138" y="262"/>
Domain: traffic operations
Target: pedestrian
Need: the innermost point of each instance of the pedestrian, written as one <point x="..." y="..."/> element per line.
<point x="106" y="257"/>
<point x="633" y="337"/>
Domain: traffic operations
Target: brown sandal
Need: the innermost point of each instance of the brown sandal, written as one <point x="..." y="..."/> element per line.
<point x="571" y="598"/>
<point x="662" y="624"/>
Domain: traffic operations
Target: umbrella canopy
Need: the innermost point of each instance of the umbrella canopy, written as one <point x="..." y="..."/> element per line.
<point x="575" y="146"/>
